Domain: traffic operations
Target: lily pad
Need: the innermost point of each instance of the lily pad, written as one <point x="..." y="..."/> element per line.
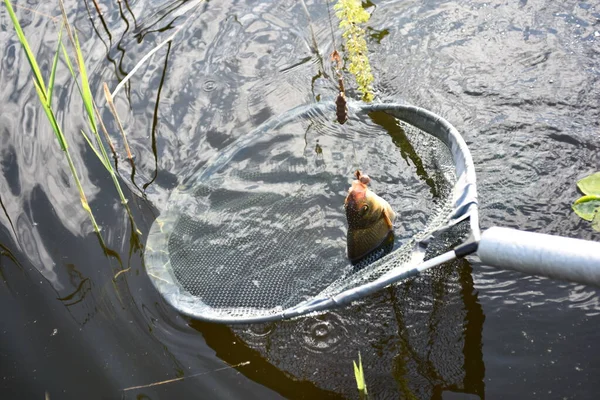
<point x="587" y="206"/>
<point x="590" y="185"/>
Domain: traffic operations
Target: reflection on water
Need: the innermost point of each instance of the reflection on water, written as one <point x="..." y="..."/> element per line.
<point x="518" y="80"/>
<point x="425" y="333"/>
<point x="155" y="118"/>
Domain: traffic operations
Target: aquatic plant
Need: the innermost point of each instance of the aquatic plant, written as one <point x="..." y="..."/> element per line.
<point x="45" y="92"/>
<point x="92" y="113"/>
<point x="360" y="378"/>
<point x="588" y="206"/>
<point x="351" y="15"/>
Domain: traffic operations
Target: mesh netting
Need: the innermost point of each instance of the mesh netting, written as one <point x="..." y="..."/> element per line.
<point x="262" y="228"/>
<point x="412" y="339"/>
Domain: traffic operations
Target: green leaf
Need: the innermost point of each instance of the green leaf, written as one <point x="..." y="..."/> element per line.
<point x="359" y="375"/>
<point x="87" y="139"/>
<point x="86" y="92"/>
<point x="54" y="66"/>
<point x="68" y="61"/>
<point x="590" y="185"/>
<point x="30" y="57"/>
<point x="50" y="115"/>
<point x="586" y="206"/>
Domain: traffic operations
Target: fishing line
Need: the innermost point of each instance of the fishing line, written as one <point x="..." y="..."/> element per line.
<point x="331" y="25"/>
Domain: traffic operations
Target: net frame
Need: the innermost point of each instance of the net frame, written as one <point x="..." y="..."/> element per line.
<point x="464" y="210"/>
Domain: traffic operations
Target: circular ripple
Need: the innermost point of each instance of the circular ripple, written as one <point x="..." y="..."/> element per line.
<point x="209" y="85"/>
<point x="322" y="334"/>
<point x="256" y="336"/>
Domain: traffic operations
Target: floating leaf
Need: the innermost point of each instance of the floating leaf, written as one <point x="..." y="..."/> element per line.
<point x="590" y="185"/>
<point x="587" y="206"/>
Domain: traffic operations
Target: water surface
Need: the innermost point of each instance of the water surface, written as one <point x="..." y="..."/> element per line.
<point x="519" y="80"/>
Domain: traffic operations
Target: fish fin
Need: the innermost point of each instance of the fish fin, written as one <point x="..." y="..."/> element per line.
<point x="387" y="219"/>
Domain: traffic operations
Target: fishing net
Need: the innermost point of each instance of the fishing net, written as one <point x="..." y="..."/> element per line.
<point x="259" y="232"/>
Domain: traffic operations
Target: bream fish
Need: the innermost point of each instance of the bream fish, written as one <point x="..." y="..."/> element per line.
<point x="370" y="219"/>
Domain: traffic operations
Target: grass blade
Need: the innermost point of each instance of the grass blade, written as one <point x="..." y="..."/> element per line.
<point x="85" y="86"/>
<point x="68" y="61"/>
<point x="113" y="109"/>
<point x="87" y="139"/>
<point x="359" y="375"/>
<point x="30" y="57"/>
<point x="86" y="93"/>
<point x="54" y="66"/>
<point x="50" y="114"/>
<point x="106" y="135"/>
<point x="87" y="98"/>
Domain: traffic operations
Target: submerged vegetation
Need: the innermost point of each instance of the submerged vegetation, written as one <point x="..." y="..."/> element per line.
<point x="45" y="92"/>
<point x="588" y="206"/>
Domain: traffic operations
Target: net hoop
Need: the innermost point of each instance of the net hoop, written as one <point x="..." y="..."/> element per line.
<point x="464" y="203"/>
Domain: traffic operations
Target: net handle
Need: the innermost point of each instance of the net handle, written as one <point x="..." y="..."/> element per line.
<point x="563" y="258"/>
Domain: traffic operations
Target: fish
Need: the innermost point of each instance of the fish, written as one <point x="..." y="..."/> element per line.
<point x="370" y="219"/>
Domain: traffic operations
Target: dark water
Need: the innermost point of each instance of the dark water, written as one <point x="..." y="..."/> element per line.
<point x="518" y="79"/>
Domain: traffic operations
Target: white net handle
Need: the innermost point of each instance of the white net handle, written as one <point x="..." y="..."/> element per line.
<point x="573" y="260"/>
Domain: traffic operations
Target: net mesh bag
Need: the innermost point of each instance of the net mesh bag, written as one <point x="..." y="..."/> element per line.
<point x="259" y="232"/>
<point x="419" y="339"/>
<point x="413" y="340"/>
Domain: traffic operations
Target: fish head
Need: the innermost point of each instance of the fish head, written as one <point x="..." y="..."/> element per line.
<point x="364" y="207"/>
<point x="361" y="205"/>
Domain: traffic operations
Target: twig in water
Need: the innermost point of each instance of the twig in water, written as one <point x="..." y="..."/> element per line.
<point x="54" y="19"/>
<point x="113" y="109"/>
<point x="97" y="8"/>
<point x="341" y="105"/>
<point x="184" y="377"/>
<point x="121" y="272"/>
<point x="108" y="139"/>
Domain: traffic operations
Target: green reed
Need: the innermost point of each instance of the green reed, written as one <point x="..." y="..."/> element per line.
<point x="359" y="375"/>
<point x="91" y="111"/>
<point x="45" y="92"/>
